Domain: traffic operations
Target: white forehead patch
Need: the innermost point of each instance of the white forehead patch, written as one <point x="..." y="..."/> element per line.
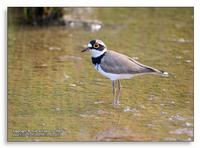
<point x="100" y="42"/>
<point x="89" y="45"/>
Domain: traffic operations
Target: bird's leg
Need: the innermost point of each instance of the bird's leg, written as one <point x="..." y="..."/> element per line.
<point x="118" y="92"/>
<point x="113" y="92"/>
<point x="113" y="87"/>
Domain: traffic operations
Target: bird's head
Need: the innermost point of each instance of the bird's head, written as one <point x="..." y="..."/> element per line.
<point x="96" y="47"/>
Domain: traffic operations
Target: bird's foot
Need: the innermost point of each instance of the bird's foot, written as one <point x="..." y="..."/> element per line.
<point x="116" y="102"/>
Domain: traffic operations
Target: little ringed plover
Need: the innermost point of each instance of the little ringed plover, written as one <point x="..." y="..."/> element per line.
<point x="116" y="66"/>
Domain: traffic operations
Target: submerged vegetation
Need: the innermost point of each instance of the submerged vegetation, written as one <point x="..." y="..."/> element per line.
<point x="38" y="15"/>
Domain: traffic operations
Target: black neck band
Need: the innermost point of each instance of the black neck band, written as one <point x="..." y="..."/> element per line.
<point x="97" y="60"/>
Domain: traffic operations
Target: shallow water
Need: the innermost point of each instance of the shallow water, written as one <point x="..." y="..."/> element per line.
<point x="53" y="86"/>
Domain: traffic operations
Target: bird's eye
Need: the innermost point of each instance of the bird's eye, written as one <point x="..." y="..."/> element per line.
<point x="96" y="45"/>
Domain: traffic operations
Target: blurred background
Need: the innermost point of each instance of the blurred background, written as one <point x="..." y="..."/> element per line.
<point x="52" y="86"/>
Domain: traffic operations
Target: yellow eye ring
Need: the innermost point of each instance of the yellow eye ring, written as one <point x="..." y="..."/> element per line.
<point x="96" y="45"/>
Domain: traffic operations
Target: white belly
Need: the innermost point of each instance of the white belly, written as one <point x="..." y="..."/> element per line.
<point x="112" y="76"/>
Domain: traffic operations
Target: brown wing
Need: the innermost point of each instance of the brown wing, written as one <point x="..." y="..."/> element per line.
<point x="114" y="62"/>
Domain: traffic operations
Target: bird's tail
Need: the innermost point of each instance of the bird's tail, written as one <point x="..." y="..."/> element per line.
<point x="161" y="72"/>
<point x="164" y="73"/>
<point x="152" y="70"/>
